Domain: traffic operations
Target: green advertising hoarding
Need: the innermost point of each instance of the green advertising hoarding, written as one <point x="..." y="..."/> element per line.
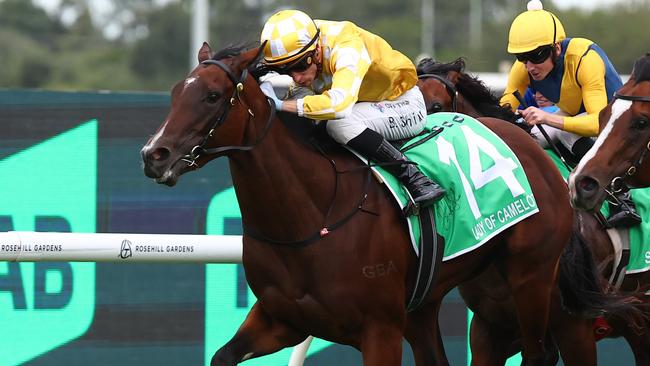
<point x="45" y="305"/>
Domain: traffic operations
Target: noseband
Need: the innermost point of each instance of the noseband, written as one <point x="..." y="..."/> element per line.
<point x="634" y="98"/>
<point x="199" y="150"/>
<point x="451" y="88"/>
<point x="618" y="183"/>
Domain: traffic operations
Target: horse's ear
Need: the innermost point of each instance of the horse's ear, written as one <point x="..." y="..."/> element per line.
<point x="260" y="50"/>
<point x="252" y="56"/>
<point x="205" y="52"/>
<point x="453" y="77"/>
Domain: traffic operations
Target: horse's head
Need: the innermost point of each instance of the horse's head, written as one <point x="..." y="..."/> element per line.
<point x="210" y="108"/>
<point x="437" y="81"/>
<point x="619" y="156"/>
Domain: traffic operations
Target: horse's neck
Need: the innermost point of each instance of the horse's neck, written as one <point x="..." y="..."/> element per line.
<point x="282" y="185"/>
<point x="465" y="107"/>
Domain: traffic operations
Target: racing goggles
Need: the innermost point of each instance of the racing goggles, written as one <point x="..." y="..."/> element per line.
<point x="300" y="65"/>
<point x="536" y="56"/>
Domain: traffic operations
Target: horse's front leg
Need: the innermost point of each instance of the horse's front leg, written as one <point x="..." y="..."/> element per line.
<point x="381" y="345"/>
<point x="490" y="344"/>
<point x="531" y="287"/>
<point x="423" y="334"/>
<point x="259" y="335"/>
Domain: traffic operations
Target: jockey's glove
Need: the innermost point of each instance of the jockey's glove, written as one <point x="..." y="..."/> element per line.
<point x="267" y="89"/>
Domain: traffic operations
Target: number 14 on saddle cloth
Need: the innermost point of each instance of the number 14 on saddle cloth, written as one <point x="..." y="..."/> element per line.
<point x="487" y="189"/>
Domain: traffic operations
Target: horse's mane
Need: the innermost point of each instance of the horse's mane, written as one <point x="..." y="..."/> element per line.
<point x="641" y="70"/>
<point x="232" y="50"/>
<point x="431" y="66"/>
<point x="256" y="69"/>
<point x="471" y="87"/>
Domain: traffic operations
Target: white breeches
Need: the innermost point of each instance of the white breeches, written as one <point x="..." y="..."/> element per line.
<point x="567" y="139"/>
<point x="396" y="119"/>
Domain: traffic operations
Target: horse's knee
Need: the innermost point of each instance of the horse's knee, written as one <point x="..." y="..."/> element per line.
<point x="381" y="344"/>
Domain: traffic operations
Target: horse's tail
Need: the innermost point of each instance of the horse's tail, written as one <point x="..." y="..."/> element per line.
<point x="585" y="292"/>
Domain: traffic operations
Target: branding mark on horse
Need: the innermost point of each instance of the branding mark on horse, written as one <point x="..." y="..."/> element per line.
<point x="379" y="270"/>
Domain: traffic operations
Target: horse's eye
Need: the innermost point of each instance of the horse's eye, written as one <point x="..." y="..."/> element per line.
<point x="436" y="107"/>
<point x="212" y="97"/>
<point x="641" y="123"/>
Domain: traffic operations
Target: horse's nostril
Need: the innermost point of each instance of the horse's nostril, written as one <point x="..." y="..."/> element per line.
<point x="587" y="184"/>
<point x="159" y="154"/>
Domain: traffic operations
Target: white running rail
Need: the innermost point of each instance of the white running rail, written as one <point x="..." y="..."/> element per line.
<point x="27" y="246"/>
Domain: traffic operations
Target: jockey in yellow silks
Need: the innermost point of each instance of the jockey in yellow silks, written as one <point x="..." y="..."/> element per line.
<point x="362" y="86"/>
<point x="573" y="73"/>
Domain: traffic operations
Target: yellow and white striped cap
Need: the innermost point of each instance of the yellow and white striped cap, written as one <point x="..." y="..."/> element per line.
<point x="289" y="34"/>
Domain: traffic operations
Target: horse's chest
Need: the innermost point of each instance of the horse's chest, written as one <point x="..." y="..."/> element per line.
<point x="277" y="286"/>
<point x="289" y="304"/>
<point x="289" y="296"/>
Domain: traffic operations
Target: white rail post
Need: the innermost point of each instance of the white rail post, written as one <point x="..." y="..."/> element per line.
<point x="300" y="352"/>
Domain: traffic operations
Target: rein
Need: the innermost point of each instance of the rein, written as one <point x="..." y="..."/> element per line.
<point x="618" y="183"/>
<point x="451" y="88"/>
<point x="199" y="149"/>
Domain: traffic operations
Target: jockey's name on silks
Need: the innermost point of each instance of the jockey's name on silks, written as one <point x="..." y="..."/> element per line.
<point x="487" y="188"/>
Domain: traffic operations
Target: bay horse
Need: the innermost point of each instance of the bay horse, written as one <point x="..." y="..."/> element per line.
<point x="618" y="160"/>
<point x="315" y="221"/>
<point x="446" y="87"/>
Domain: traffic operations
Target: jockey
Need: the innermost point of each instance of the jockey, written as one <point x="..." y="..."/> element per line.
<point x="573" y="73"/>
<point x="363" y="88"/>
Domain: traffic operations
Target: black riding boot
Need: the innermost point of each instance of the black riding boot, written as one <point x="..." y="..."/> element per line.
<point x="371" y="144"/>
<point x="623" y="213"/>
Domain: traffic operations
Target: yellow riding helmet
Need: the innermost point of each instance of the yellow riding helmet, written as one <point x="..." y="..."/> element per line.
<point x="289" y="34"/>
<point x="534" y="28"/>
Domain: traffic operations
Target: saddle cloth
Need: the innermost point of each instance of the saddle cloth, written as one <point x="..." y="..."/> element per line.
<point x="487" y="189"/>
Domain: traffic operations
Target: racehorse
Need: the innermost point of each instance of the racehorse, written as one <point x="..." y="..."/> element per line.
<point x="316" y="225"/>
<point x="446" y="87"/>
<point x="618" y="160"/>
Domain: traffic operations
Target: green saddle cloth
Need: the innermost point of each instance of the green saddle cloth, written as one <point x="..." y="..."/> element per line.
<point x="639" y="235"/>
<point x="487" y="189"/>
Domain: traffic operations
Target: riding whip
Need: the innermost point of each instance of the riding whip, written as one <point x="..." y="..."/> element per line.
<point x="543" y="131"/>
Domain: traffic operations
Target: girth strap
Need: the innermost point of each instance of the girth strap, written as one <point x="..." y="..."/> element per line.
<point x="620" y="239"/>
<point x="429" y="260"/>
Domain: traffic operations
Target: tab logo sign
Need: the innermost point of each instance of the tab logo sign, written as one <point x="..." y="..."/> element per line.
<point x="227" y="295"/>
<point x="50" y="186"/>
